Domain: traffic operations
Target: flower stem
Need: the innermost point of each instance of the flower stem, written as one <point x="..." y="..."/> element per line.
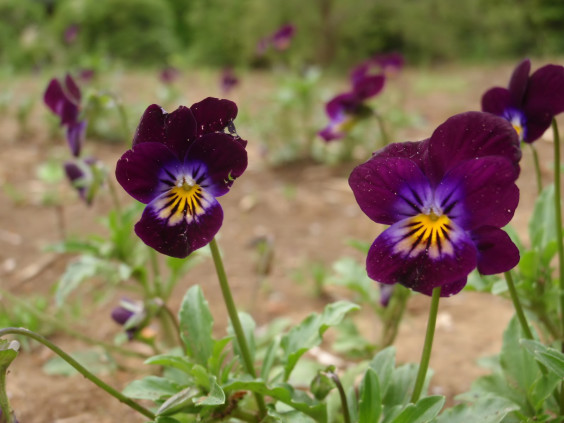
<point x="342" y="395"/>
<point x="517" y="305"/>
<point x="427" y="346"/>
<point x="234" y="317"/>
<point x="383" y="133"/>
<point x="81" y="369"/>
<point x="537" y="168"/>
<point x="4" y="403"/>
<point x="558" y="216"/>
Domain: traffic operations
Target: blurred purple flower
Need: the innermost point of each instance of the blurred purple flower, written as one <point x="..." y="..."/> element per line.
<point x="71" y="33"/>
<point x="86" y="75"/>
<point x="129" y="314"/>
<point x="228" y="81"/>
<point x="530" y="102"/>
<point x="282" y="38"/>
<point x="345" y="110"/>
<point x="179" y="163"/>
<point x="387" y="64"/>
<point x="446" y="199"/>
<point x="386" y="292"/>
<point x="64" y="101"/>
<point x="84" y="175"/>
<point x="169" y="74"/>
<point x="262" y="46"/>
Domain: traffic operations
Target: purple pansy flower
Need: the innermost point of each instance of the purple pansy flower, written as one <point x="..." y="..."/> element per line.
<point x="64" y="101"/>
<point x="530" y="102"/>
<point x="179" y="163"/>
<point x="282" y="38"/>
<point x="228" y="80"/>
<point x="346" y="109"/>
<point x="446" y="199"/>
<point x="71" y="33"/>
<point x="131" y="315"/>
<point x="387" y="64"/>
<point x="169" y="74"/>
<point x="84" y="175"/>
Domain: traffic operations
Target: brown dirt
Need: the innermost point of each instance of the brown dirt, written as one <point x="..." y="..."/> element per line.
<point x="309" y="225"/>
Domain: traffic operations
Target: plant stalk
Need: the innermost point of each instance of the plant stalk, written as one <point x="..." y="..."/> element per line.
<point x="517" y="306"/>
<point x="537" y="168"/>
<point x="81" y="369"/>
<point x="235" y="322"/>
<point x="7" y="415"/>
<point x="342" y="395"/>
<point x="427" y="346"/>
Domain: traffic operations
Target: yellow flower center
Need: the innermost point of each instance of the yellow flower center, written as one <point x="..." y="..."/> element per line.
<point x="185" y="200"/>
<point x="426" y="232"/>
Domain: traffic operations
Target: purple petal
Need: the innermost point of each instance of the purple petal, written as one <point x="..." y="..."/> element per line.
<point x="181" y="239"/>
<point x="281" y="39"/>
<point x="77" y="176"/>
<point x="224" y="157"/>
<point x="471" y="135"/>
<point x="332" y="132"/>
<point x="496" y="252"/>
<point x="448" y="289"/>
<point x="341" y="104"/>
<point x="395" y="257"/>
<point x="140" y="170"/>
<point x="75" y="136"/>
<point x="497" y="100"/>
<point x="479" y="192"/>
<point x="121" y="315"/>
<point x="369" y="86"/>
<point x="391" y="62"/>
<point x="72" y="89"/>
<point x="213" y="114"/>
<point x="176" y="130"/>
<point x="386" y="292"/>
<point x="54" y="96"/>
<point x="416" y="151"/>
<point x="518" y="82"/>
<point x="390" y="189"/>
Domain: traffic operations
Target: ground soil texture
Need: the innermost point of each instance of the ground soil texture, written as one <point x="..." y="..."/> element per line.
<point x="310" y="225"/>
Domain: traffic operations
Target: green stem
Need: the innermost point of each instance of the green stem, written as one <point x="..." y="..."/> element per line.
<point x="342" y="395"/>
<point x="57" y="323"/>
<point x="427" y="346"/>
<point x="517" y="305"/>
<point x="393" y="315"/>
<point x="157" y="284"/>
<point x="7" y="415"/>
<point x="243" y="415"/>
<point x="235" y="322"/>
<point x="81" y="369"/>
<point x="537" y="168"/>
<point x="115" y="198"/>
<point x="383" y="132"/>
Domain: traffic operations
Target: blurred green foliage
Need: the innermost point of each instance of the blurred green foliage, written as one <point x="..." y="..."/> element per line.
<point x="226" y="33"/>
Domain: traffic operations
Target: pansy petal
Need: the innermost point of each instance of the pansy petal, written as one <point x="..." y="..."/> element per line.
<point x="54" y="96"/>
<point x="368" y="86"/>
<point x="72" y="89"/>
<point x="518" y="82"/>
<point x="448" y="289"/>
<point x="395" y="257"/>
<point x="182" y="238"/>
<point x="224" y="157"/>
<point x="75" y="136"/>
<point x="415" y="151"/>
<point x="496" y="252"/>
<point x="140" y="170"/>
<point x="176" y="130"/>
<point x="76" y="175"/>
<point x="213" y="114"/>
<point x="390" y="189"/>
<point x="479" y="192"/>
<point x="497" y="100"/>
<point x="341" y="104"/>
<point x="471" y="135"/>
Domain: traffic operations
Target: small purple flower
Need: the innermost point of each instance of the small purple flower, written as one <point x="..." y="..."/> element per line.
<point x="530" y="102"/>
<point x="129" y="314"/>
<point x="387" y="64"/>
<point x="345" y="110"/>
<point x="64" y="101"/>
<point x="228" y="81"/>
<point x="86" y="75"/>
<point x="169" y="74"/>
<point x="282" y="38"/>
<point x="84" y="175"/>
<point x="386" y="292"/>
<point x="179" y="163"/>
<point x="71" y="33"/>
<point x="262" y="46"/>
<point x="446" y="199"/>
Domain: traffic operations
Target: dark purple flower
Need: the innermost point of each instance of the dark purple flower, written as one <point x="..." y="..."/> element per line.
<point x="387" y="64"/>
<point x="446" y="199"/>
<point x="169" y="74"/>
<point x="386" y="292"/>
<point x="130" y="315"/>
<point x="71" y="33"/>
<point x="84" y="175"/>
<point x="530" y="102"/>
<point x="64" y="101"/>
<point x="282" y="38"/>
<point x="86" y="75"/>
<point x="345" y="110"/>
<point x="228" y="81"/>
<point x="179" y="163"/>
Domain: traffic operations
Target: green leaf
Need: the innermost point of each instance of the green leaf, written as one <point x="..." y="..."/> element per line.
<point x="309" y="332"/>
<point x="196" y="325"/>
<point x="8" y="353"/>
<point x="215" y="396"/>
<point x="284" y="393"/>
<point x="151" y="388"/>
<point x="488" y="409"/>
<point x="96" y="361"/>
<point x="269" y="358"/>
<point x="401" y="385"/>
<point x="165" y="419"/>
<point x="169" y="360"/>
<point x="370" y="404"/>
<point x="248" y="325"/>
<point x="383" y="365"/>
<point x="178" y="401"/>
<point x="424" y="411"/>
<point x="550" y="357"/>
<point x="542" y="229"/>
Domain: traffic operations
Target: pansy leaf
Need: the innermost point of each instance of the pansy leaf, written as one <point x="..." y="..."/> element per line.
<point x="269" y="358"/>
<point x="178" y="401"/>
<point x="422" y="412"/>
<point x="248" y="325"/>
<point x="383" y="365"/>
<point x="8" y="352"/>
<point x="486" y="409"/>
<point x="215" y="396"/>
<point x="196" y="325"/>
<point x="309" y="332"/>
<point x="542" y="228"/>
<point x="549" y="357"/>
<point x="169" y="360"/>
<point x="151" y="388"/>
<point x="370" y="404"/>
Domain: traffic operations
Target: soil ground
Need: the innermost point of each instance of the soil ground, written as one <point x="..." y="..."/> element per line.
<point x="310" y="225"/>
